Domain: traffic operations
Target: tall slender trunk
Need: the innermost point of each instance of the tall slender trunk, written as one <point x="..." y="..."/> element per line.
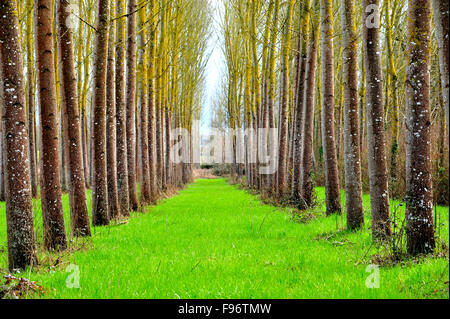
<point x="100" y="214"/>
<point x="143" y="99"/>
<point x="72" y="134"/>
<point x="19" y="206"/>
<point x="271" y="95"/>
<point x="122" y="158"/>
<point x="111" y="123"/>
<point x="300" y="93"/>
<point x="152" y="107"/>
<point x="131" y="103"/>
<point x="332" y="189"/>
<point x="84" y="140"/>
<point x="352" y="159"/>
<point x="283" y="120"/>
<point x="167" y="144"/>
<point x="31" y="99"/>
<point x="419" y="192"/>
<point x="441" y="13"/>
<point x="379" y="191"/>
<point x="392" y="77"/>
<point x="308" y="114"/>
<point x="158" y="144"/>
<point x="52" y="210"/>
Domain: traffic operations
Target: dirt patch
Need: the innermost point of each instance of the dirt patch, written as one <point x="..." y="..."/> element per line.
<point x="204" y="173"/>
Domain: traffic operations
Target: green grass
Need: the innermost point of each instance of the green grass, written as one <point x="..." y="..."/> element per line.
<point x="214" y="240"/>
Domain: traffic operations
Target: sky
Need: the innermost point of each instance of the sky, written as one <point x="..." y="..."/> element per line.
<point x="213" y="70"/>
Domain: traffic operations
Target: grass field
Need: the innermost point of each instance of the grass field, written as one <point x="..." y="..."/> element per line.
<point x="214" y="240"/>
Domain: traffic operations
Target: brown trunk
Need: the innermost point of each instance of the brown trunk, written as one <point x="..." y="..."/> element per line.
<point x="122" y="158"/>
<point x="352" y="161"/>
<point x="300" y="93"/>
<point x="151" y="118"/>
<point x="283" y="129"/>
<point x="167" y="148"/>
<point x="441" y="12"/>
<point x="52" y="210"/>
<point x="100" y="192"/>
<point x="307" y="186"/>
<point x="19" y="206"/>
<point x="131" y="103"/>
<point x="284" y="106"/>
<point x="158" y="145"/>
<point x="419" y="192"/>
<point x="72" y="133"/>
<point x="84" y="140"/>
<point x="143" y="98"/>
<point x="162" y="149"/>
<point x="31" y="101"/>
<point x="332" y="190"/>
<point x="111" y="141"/>
<point x="378" y="179"/>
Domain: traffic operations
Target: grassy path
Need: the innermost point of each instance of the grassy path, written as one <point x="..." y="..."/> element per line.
<point x="216" y="241"/>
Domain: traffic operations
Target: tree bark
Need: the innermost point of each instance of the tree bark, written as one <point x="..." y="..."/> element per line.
<point x="271" y="95"/>
<point x="19" y="206"/>
<point x="143" y="99"/>
<point x="419" y="203"/>
<point x="52" y="210"/>
<point x="332" y="189"/>
<point x="122" y="158"/>
<point x="100" y="214"/>
<point x="352" y="160"/>
<point x="31" y="99"/>
<point x="111" y="120"/>
<point x="307" y="186"/>
<point x="152" y="109"/>
<point x="441" y="15"/>
<point x="283" y="121"/>
<point x="131" y="103"/>
<point x="72" y="133"/>
<point x="378" y="179"/>
<point x="300" y="98"/>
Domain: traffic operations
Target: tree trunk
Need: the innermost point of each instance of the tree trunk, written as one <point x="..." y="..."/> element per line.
<point x="31" y="99"/>
<point x="419" y="192"/>
<point x="152" y="108"/>
<point x="84" y="139"/>
<point x="307" y="186"/>
<point x="298" y="134"/>
<point x="100" y="214"/>
<point x="131" y="103"/>
<point x="19" y="206"/>
<point x="352" y="160"/>
<point x="441" y="15"/>
<point x="122" y="158"/>
<point x="392" y="79"/>
<point x="52" y="210"/>
<point x="271" y="96"/>
<point x="379" y="191"/>
<point x="332" y="189"/>
<point x="143" y="98"/>
<point x="283" y="120"/>
<point x="72" y="133"/>
<point x="111" y="123"/>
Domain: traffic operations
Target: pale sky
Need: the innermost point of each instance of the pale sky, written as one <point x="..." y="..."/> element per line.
<point x="214" y="68"/>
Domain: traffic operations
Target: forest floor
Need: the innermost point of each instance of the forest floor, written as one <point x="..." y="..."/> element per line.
<point x="214" y="240"/>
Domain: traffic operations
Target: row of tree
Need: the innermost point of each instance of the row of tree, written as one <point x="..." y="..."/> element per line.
<point x="350" y="64"/>
<point x="110" y="87"/>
